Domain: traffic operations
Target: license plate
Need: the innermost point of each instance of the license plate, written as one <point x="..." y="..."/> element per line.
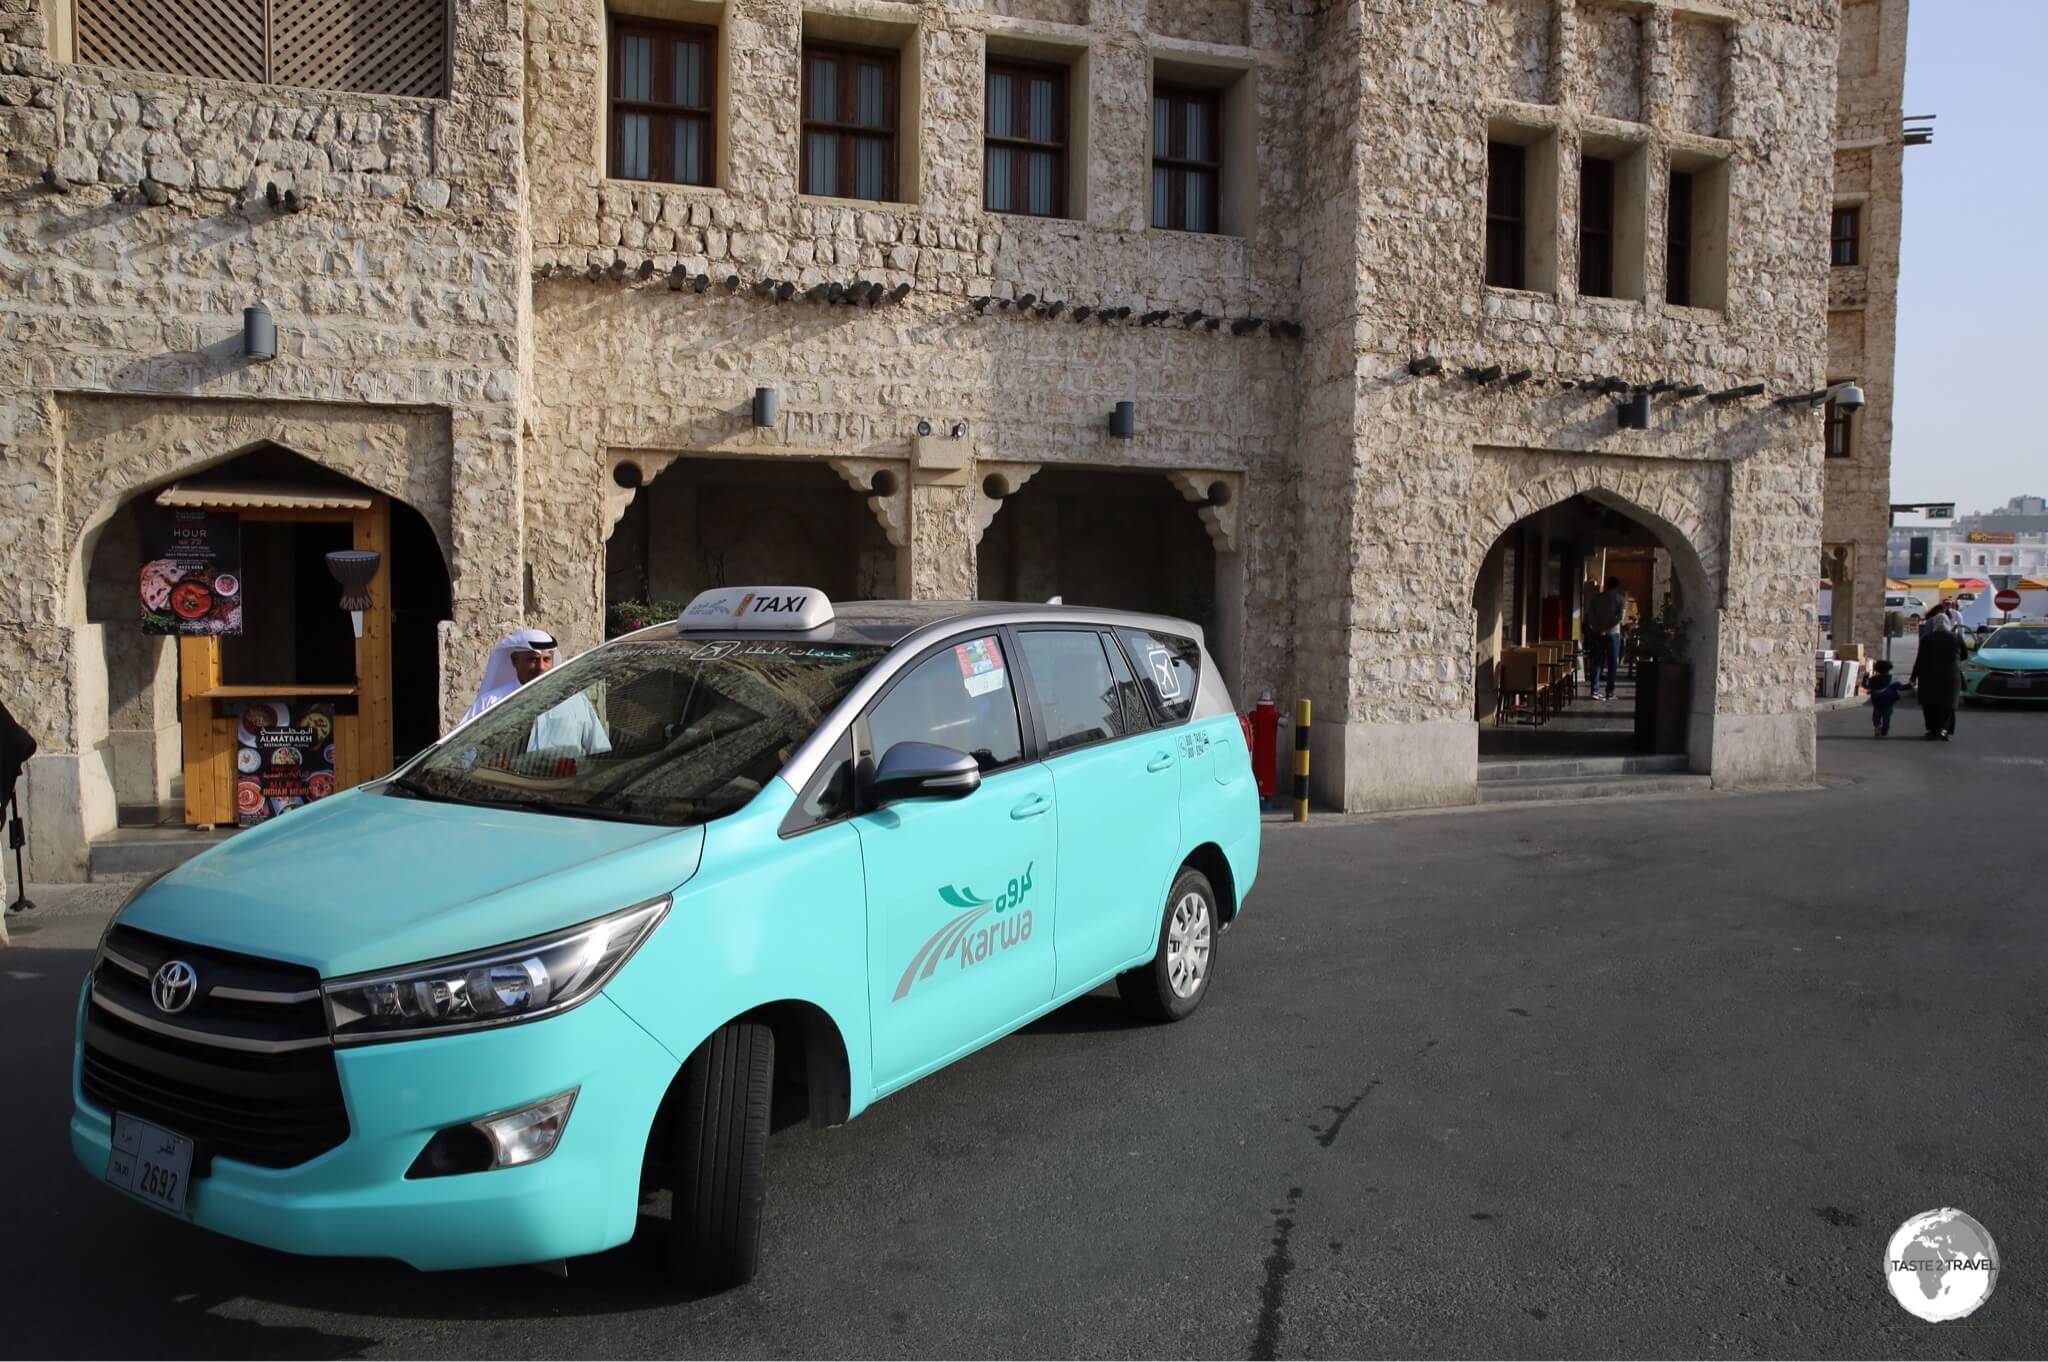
<point x="151" y="1163"/>
<point x="2021" y="683"/>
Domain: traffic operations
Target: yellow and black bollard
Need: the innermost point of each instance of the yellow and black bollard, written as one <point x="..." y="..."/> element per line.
<point x="1301" y="761"/>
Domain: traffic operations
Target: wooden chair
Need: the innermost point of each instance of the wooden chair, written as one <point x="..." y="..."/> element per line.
<point x="1517" y="687"/>
<point x="1550" y="676"/>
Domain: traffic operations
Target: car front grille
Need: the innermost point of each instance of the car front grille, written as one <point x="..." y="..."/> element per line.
<point x="2014" y="685"/>
<point x="246" y="1068"/>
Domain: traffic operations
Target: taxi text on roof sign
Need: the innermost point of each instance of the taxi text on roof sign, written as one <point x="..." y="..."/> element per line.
<point x="757" y="607"/>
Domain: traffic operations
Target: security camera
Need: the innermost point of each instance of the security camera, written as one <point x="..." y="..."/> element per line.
<point x="1849" y="398"/>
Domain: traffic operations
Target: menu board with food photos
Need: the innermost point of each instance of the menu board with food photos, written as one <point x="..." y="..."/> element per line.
<point x="284" y="757"/>
<point x="191" y="571"/>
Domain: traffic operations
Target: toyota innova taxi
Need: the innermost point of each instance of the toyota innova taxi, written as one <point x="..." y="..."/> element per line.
<point x="472" y="1013"/>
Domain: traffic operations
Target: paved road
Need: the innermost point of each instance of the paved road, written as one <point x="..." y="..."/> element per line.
<point x="1632" y="1078"/>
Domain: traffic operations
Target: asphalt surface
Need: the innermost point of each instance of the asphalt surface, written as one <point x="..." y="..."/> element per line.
<point x="1630" y="1078"/>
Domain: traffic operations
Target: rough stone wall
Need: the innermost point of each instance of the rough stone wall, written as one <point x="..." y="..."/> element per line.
<point x="1863" y="299"/>
<point x="1519" y="35"/>
<point x="1421" y="481"/>
<point x="439" y="339"/>
<point x="396" y="288"/>
<point x="641" y="367"/>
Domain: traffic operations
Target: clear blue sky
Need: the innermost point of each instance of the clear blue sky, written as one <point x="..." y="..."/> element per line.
<point x="1970" y="424"/>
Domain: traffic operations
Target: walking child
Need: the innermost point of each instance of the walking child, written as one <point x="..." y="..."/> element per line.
<point x="1885" y="690"/>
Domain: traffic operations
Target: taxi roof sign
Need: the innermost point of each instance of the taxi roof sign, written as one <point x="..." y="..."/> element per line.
<point x="757" y="607"/>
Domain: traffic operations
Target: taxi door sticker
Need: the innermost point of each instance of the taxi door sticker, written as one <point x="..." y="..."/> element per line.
<point x="1160" y="662"/>
<point x="981" y="665"/>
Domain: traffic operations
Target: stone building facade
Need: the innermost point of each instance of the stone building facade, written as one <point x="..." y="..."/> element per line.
<point x="557" y="369"/>
<point x="1863" y="307"/>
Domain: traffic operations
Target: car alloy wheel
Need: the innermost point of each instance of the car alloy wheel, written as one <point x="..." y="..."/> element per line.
<point x="1188" y="940"/>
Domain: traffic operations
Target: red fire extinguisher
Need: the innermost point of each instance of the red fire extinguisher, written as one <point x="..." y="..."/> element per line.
<point x="1265" y="743"/>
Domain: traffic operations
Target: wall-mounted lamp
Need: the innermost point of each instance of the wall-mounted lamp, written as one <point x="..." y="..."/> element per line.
<point x="924" y="427"/>
<point x="959" y="430"/>
<point x="1519" y="376"/>
<point x="1123" y="422"/>
<point x="1486" y="375"/>
<point x="1633" y="414"/>
<point x="1425" y="366"/>
<point x="1846" y="396"/>
<point x="353" y="569"/>
<point x="767" y="402"/>
<point x="259" y="333"/>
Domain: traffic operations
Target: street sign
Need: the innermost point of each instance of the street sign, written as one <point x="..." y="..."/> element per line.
<point x="2007" y="600"/>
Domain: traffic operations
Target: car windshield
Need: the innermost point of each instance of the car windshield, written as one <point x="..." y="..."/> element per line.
<point x="2012" y="637"/>
<point x="674" y="730"/>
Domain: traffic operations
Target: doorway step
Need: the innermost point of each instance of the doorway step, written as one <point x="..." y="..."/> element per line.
<point x="128" y="852"/>
<point x="1511" y="782"/>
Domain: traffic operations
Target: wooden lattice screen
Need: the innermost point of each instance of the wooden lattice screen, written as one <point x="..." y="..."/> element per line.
<point x="386" y="47"/>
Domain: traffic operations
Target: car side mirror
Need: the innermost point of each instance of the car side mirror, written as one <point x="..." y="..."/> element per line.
<point x="924" y="770"/>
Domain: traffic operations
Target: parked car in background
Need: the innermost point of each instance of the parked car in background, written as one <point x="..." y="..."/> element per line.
<point x="2009" y="664"/>
<point x="1914" y="606"/>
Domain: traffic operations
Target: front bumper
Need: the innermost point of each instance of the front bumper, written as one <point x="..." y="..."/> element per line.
<point x="2006" y="685"/>
<point x="355" y="1200"/>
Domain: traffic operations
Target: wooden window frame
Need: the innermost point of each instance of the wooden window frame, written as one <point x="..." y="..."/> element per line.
<point x="1022" y="74"/>
<point x="1507" y="233"/>
<point x="1845" y="250"/>
<point x="1596" y="267"/>
<point x="1839" y="430"/>
<point x="1678" y="238"/>
<point x="844" y="129"/>
<point x="1177" y="163"/>
<point x="662" y="114"/>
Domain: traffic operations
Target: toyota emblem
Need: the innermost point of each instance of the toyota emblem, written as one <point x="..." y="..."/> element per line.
<point x="175" y="985"/>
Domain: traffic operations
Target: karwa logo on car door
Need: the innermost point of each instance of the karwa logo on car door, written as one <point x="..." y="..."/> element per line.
<point x="963" y="939"/>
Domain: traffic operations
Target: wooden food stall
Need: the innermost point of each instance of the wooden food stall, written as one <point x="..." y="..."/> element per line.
<point x="285" y="676"/>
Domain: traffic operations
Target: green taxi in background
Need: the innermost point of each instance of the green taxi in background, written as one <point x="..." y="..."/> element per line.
<point x="775" y="860"/>
<point x="2010" y="663"/>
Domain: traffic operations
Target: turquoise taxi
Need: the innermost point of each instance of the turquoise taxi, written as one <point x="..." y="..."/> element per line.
<point x="772" y="862"/>
<point x="2009" y="663"/>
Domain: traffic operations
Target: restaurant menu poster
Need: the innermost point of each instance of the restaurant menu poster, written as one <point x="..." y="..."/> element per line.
<point x="284" y="757"/>
<point x="191" y="571"/>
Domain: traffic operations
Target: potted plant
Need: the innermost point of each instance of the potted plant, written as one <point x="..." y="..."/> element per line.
<point x="1664" y="680"/>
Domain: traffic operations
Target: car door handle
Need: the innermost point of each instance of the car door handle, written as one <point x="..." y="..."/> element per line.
<point x="1160" y="762"/>
<point x="1031" y="808"/>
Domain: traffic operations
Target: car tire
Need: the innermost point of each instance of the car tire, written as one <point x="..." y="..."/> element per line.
<point x="1173" y="983"/>
<point x="721" y="1146"/>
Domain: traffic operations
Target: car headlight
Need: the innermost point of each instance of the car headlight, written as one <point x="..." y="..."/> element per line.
<point x="513" y="983"/>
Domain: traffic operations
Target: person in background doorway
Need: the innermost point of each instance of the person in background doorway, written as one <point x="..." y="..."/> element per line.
<point x="1602" y="627"/>
<point x="1938" y="673"/>
<point x="524" y="655"/>
<point x="1885" y="690"/>
<point x="515" y="659"/>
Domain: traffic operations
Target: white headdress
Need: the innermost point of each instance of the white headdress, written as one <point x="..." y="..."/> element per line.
<point x="500" y="680"/>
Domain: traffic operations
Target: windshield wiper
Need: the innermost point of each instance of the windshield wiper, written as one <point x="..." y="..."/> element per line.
<point x="570" y="808"/>
<point x="421" y="790"/>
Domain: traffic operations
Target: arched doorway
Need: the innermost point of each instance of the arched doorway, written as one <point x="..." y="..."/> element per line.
<point x="700" y="523"/>
<point x="278" y="644"/>
<point x="1529" y="597"/>
<point x="1124" y="540"/>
